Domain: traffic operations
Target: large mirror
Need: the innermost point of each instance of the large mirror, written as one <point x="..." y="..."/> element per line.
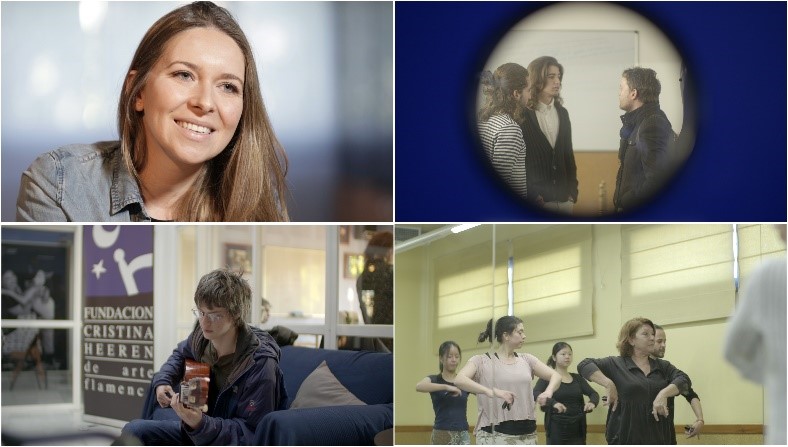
<point x="576" y="286"/>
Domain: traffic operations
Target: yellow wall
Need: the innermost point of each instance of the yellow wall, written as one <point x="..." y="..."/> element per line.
<point x="695" y="348"/>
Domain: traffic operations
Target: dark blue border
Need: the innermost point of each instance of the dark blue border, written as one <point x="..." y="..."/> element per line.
<point x="737" y="172"/>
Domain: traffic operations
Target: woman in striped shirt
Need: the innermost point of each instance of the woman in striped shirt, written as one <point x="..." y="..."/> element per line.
<point x="506" y="94"/>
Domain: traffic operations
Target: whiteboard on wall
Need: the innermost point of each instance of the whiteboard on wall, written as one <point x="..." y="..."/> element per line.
<point x="593" y="62"/>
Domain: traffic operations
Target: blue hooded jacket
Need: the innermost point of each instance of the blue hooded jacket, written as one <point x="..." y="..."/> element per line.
<point x="254" y="388"/>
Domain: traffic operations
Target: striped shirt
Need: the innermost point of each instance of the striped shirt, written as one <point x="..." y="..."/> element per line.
<point x="503" y="143"/>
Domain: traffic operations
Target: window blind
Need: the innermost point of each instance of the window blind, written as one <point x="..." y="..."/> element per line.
<point x="757" y="243"/>
<point x="552" y="280"/>
<point x="676" y="273"/>
<point x="463" y="291"/>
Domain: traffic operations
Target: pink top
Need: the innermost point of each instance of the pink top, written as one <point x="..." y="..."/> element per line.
<point x="516" y="378"/>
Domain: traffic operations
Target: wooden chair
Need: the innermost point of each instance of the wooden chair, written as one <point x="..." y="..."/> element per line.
<point x="34" y="352"/>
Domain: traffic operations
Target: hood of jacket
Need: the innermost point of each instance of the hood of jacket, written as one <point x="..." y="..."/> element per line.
<point x="252" y="346"/>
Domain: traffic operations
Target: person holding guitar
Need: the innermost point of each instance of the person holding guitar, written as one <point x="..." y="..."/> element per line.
<point x="245" y="382"/>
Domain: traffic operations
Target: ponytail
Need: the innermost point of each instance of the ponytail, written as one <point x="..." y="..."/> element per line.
<point x="504" y="325"/>
<point x="487" y="333"/>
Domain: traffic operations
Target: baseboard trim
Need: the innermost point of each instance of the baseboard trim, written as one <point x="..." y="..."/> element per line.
<point x="751" y="429"/>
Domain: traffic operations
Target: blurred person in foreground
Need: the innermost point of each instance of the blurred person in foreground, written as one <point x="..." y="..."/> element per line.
<point x="755" y="342"/>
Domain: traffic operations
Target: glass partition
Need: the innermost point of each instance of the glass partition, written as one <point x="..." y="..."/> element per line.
<point x="306" y="280"/>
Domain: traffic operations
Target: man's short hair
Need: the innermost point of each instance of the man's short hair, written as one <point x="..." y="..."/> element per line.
<point x="645" y="81"/>
<point x="226" y="289"/>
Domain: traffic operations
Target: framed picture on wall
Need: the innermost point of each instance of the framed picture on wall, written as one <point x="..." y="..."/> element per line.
<point x="35" y="287"/>
<point x="344" y="234"/>
<point x="238" y="257"/>
<point x="354" y="265"/>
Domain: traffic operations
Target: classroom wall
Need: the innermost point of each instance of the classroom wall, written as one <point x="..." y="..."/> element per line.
<point x="593" y="168"/>
<point x="654" y="49"/>
<point x="696" y="348"/>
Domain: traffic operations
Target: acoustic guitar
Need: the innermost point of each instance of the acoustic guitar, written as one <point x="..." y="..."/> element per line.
<point x="194" y="387"/>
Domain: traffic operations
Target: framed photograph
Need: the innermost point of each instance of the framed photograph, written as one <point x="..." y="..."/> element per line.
<point x="354" y="265"/>
<point x="36" y="281"/>
<point x="344" y="234"/>
<point x="238" y="257"/>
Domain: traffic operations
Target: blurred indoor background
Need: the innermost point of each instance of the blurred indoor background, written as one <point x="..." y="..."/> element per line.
<point x="325" y="70"/>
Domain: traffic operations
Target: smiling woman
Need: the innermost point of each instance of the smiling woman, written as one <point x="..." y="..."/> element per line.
<point x="195" y="143"/>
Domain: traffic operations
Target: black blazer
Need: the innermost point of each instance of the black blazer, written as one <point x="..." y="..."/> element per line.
<point x="550" y="172"/>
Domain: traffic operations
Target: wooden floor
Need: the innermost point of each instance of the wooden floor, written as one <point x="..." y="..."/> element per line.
<point x="405" y="436"/>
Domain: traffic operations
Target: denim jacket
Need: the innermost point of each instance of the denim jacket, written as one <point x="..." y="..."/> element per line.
<point x="80" y="183"/>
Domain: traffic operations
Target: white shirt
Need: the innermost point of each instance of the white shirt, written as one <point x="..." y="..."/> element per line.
<point x="547" y="116"/>
<point x="755" y="343"/>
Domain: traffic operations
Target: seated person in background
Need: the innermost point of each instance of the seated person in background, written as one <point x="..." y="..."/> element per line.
<point x="283" y="336"/>
<point x="246" y="381"/>
<point x="266" y="313"/>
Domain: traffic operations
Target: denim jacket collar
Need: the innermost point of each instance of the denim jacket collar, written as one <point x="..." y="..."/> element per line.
<point x="125" y="191"/>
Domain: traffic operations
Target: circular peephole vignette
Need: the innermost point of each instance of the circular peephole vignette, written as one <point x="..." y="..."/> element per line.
<point x="651" y="47"/>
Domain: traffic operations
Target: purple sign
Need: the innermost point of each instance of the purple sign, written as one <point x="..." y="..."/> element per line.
<point x="118" y="260"/>
<point x="117" y="330"/>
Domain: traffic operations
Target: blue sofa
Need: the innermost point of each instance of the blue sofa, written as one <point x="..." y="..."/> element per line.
<point x="368" y="375"/>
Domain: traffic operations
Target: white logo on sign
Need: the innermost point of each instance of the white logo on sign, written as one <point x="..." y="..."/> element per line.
<point x="106" y="239"/>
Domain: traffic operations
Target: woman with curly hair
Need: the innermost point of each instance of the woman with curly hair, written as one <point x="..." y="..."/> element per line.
<point x="506" y="94"/>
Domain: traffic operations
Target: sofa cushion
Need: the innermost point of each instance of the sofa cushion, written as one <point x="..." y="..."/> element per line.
<point x="368" y="375"/>
<point x="322" y="389"/>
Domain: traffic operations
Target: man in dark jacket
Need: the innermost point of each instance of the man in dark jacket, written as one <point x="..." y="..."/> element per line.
<point x="246" y="381"/>
<point x="646" y="140"/>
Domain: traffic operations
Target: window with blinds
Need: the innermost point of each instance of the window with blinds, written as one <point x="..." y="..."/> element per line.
<point x="463" y="288"/>
<point x="756" y="244"/>
<point x="676" y="273"/>
<point x="552" y="281"/>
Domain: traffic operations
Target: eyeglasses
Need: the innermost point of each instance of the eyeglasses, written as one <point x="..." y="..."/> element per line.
<point x="214" y="317"/>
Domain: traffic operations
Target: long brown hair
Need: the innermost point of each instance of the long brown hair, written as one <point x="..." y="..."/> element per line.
<point x="246" y="181"/>
<point x="537" y="70"/>
<point x="499" y="88"/>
